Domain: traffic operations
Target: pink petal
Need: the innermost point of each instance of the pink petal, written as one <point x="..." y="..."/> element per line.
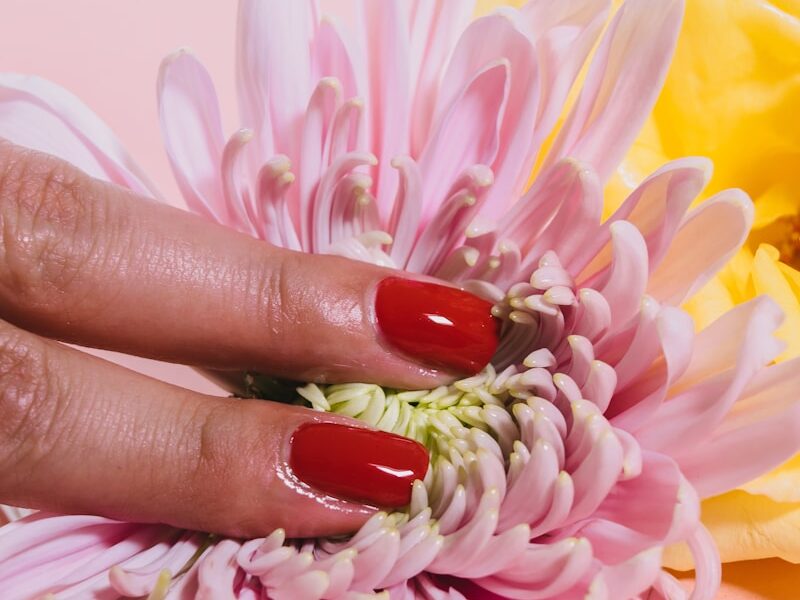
<point x="404" y="220"/>
<point x="568" y="184"/>
<point x="624" y="79"/>
<point x="465" y="134"/>
<point x="450" y="222"/>
<point x="543" y="571"/>
<point x="274" y="70"/>
<point x="634" y="576"/>
<point x="761" y="431"/>
<point x="325" y="101"/>
<point x="192" y="130"/>
<point x="388" y="98"/>
<point x="139" y="580"/>
<point x="217" y="573"/>
<point x="647" y="379"/>
<point x="637" y="514"/>
<point x="694" y="256"/>
<point x="41" y="115"/>
<point x="485" y="41"/>
<point x="575" y="222"/>
<point x="656" y="207"/>
<point x="331" y="58"/>
<point x="564" y="33"/>
<point x="623" y="281"/>
<point x="725" y="358"/>
<point x="707" y="565"/>
<point x="434" y="30"/>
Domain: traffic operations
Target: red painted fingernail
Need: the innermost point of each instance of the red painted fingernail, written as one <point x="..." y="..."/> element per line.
<point x="362" y="465"/>
<point x="439" y="326"/>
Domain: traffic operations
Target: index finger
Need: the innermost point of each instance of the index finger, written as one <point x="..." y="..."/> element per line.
<point x="87" y="262"/>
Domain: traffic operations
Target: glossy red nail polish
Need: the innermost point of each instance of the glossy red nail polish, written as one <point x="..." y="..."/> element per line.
<point x="357" y="464"/>
<point x="439" y="326"/>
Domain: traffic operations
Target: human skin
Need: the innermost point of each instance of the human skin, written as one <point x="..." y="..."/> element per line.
<point x="86" y="262"/>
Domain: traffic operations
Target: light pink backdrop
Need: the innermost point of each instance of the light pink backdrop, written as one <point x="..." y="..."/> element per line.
<point x="108" y="51"/>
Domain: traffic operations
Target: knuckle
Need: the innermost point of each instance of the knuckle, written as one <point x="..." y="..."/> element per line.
<point x="49" y="223"/>
<point x="278" y="301"/>
<point x="231" y="446"/>
<point x="216" y="454"/>
<point x="26" y="409"/>
<point x="213" y="441"/>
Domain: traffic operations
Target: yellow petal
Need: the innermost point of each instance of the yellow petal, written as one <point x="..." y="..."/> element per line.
<point x="731" y="286"/>
<point x="769" y="279"/>
<point x="732" y="93"/>
<point x="792" y="278"/>
<point x="737" y="276"/>
<point x="483" y="7"/>
<point x="746" y="526"/>
<point x="778" y="201"/>
<point x="764" y="579"/>
<point x="706" y="306"/>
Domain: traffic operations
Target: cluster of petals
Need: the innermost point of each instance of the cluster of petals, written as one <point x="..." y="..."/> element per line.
<point x="405" y="135"/>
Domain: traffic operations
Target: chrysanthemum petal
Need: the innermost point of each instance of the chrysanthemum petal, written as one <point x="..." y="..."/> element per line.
<point x="465" y="133"/>
<point x="694" y="257"/>
<point x="622" y="84"/>
<point x="434" y="30"/>
<point x="274" y="70"/>
<point x="485" y="41"/>
<point x="41" y="115"/>
<point x="192" y="129"/>
<point x="384" y="27"/>
<point x="725" y="358"/>
<point x="760" y="433"/>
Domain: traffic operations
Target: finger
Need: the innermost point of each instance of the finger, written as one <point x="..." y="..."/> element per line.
<point x="81" y="435"/>
<point x="87" y="262"/>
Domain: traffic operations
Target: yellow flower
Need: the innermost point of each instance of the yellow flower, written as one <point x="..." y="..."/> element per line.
<point x="732" y="94"/>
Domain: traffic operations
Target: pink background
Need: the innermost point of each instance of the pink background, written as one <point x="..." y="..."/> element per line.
<point x="108" y="52"/>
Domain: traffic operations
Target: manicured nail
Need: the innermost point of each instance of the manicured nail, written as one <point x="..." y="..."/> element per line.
<point x="357" y="464"/>
<point x="439" y="326"/>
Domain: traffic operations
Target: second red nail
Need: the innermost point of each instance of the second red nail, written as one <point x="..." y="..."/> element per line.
<point x="358" y="464"/>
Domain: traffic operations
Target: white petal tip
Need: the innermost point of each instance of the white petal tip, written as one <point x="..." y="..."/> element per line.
<point x="471" y="256"/>
<point x="355" y="102"/>
<point x="245" y="135"/>
<point x="179" y="52"/>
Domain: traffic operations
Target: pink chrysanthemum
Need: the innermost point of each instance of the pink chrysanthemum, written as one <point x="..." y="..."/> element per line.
<point x="565" y="467"/>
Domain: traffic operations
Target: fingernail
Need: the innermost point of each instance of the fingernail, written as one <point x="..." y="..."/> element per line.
<point x="439" y="326"/>
<point x="357" y="464"/>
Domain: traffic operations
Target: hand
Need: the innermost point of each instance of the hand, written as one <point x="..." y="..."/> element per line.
<point x="84" y="261"/>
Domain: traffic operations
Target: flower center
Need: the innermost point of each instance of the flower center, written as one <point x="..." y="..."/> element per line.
<point x="784" y="234"/>
<point x="789" y="245"/>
